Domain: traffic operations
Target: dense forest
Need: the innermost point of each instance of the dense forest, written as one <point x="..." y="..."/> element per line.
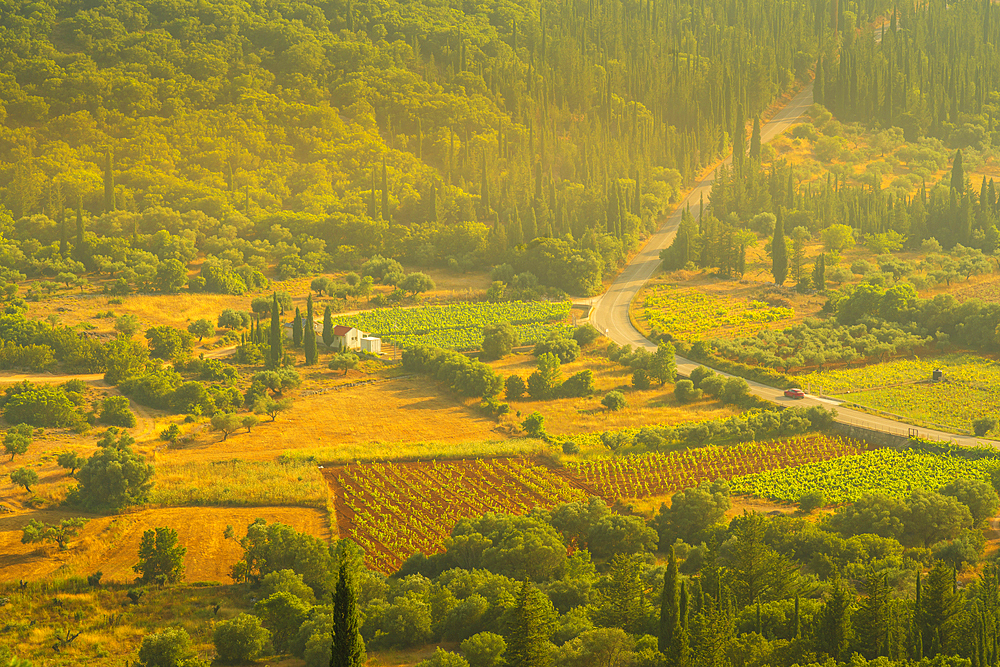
<point x="311" y="136"/>
<point x="925" y="84"/>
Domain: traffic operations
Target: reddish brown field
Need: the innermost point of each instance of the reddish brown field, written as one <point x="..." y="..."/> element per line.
<point x="394" y="510"/>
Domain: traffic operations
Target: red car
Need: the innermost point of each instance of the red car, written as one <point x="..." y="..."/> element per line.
<point x="795" y="393"/>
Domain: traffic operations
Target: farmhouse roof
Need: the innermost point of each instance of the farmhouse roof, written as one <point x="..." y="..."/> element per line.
<point x="341" y="330"/>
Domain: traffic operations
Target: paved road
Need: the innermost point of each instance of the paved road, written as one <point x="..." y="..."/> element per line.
<point x="611" y="310"/>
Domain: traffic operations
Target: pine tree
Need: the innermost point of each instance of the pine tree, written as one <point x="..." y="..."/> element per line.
<point x="274" y="335"/>
<point x="348" y="647"/>
<point x="528" y="631"/>
<point x="297" y="328"/>
<point x="834" y="625"/>
<point x="327" y="327"/>
<point x="779" y="251"/>
<point x="874" y="617"/>
<point x="63" y="235"/>
<point x="755" y="140"/>
<point x="940" y="610"/>
<point x="669" y="604"/>
<point x="309" y="335"/>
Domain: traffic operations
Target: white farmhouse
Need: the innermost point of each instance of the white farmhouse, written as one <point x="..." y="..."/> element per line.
<point x="347" y="338"/>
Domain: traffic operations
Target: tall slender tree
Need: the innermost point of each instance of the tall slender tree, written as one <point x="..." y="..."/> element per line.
<point x="348" y="646"/>
<point x="669" y="604"/>
<point x="327" y="327"/>
<point x="529" y="630"/>
<point x="755" y="140"/>
<point x="297" y="328"/>
<point x="109" y="181"/>
<point x="274" y="335"/>
<point x="309" y="335"/>
<point x="80" y="248"/>
<point x="779" y="251"/>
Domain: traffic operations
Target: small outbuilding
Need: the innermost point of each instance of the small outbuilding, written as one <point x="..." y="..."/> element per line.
<point x="371" y="345"/>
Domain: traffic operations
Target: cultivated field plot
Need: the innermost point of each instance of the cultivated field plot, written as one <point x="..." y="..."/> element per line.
<point x="691" y="313"/>
<point x="885" y="471"/>
<point x="460" y="326"/>
<point x="643" y="475"/>
<point x="394" y="510"/>
<point x="970" y="389"/>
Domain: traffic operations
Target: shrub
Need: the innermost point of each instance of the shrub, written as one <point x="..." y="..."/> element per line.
<point x="640" y="379"/>
<point x="485" y="649"/>
<point x="685" y="392"/>
<point x="115" y="411"/>
<point x="442" y="658"/>
<point x="735" y="390"/>
<point x="168" y="648"/>
<point x="39" y="405"/>
<point x="712" y="385"/>
<point x="515" y="387"/>
<point x="286" y="581"/>
<point x="240" y="640"/>
<point x="498" y="341"/>
<point x="534" y="425"/>
<point x="585" y="334"/>
<point x="578" y="385"/>
<point x="811" y="500"/>
<point x="565" y="349"/>
<point x="283" y="614"/>
<point x="614" y="401"/>
<point x="114" y="477"/>
<point x="983" y="425"/>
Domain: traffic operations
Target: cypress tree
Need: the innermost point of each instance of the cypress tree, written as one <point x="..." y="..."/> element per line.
<point x="274" y="338"/>
<point x="958" y="173"/>
<point x="679" y="653"/>
<point x="309" y="335"/>
<point x="797" y="620"/>
<point x="819" y="84"/>
<point x="63" y="235"/>
<point x="669" y="605"/>
<point x="484" y="190"/>
<point x="297" y="328"/>
<point x="755" y="140"/>
<point x="327" y="327"/>
<point x="78" y="250"/>
<point x="109" y="183"/>
<point x="779" y="251"/>
<point x="819" y="272"/>
<point x="385" y="191"/>
<point x="348" y="647"/>
<point x="528" y="632"/>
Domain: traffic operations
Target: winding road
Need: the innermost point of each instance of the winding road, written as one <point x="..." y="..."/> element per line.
<point x="610" y="313"/>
